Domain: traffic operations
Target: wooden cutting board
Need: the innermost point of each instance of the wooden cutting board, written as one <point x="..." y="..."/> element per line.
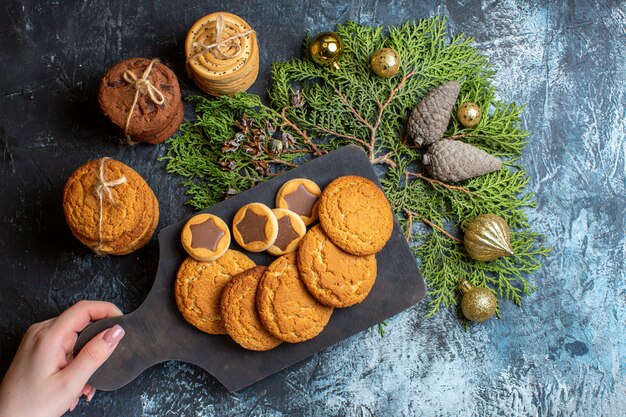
<point x="157" y="332"/>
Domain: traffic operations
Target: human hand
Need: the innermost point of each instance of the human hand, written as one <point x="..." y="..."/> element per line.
<point x="43" y="379"/>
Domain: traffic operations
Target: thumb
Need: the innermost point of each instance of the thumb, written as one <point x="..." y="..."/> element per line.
<point x="93" y="355"/>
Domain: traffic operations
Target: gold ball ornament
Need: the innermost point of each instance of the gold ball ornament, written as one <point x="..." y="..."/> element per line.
<point x="385" y="62"/>
<point x="469" y="114"/>
<point x="325" y="49"/>
<point x="487" y="237"/>
<point x="478" y="304"/>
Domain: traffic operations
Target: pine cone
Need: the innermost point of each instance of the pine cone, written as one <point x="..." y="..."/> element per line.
<point x="429" y="119"/>
<point x="453" y="160"/>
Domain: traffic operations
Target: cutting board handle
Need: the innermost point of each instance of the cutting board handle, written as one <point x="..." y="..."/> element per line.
<point x="136" y="351"/>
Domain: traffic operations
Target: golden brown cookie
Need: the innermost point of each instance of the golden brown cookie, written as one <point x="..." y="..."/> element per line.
<point x="239" y="312"/>
<point x="291" y="230"/>
<point x="301" y="196"/>
<point x="287" y="309"/>
<point x="336" y="278"/>
<point x="205" y="237"/>
<point x="109" y="207"/>
<point x="199" y="286"/>
<point x="255" y="227"/>
<point x="356" y="215"/>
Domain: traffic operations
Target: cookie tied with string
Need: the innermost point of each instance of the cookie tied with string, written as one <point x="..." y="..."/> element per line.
<point x="222" y="54"/>
<point x="142" y="98"/>
<point x="109" y="207"/>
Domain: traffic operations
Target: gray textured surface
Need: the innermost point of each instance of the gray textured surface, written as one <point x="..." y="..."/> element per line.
<point x="563" y="353"/>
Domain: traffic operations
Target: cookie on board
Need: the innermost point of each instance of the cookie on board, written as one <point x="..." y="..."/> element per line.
<point x="291" y="230"/>
<point x="255" y="227"/>
<point x="241" y="318"/>
<point x="198" y="288"/>
<point x="205" y="237"/>
<point x="334" y="277"/>
<point x="301" y="196"/>
<point x="356" y="215"/>
<point x="287" y="309"/>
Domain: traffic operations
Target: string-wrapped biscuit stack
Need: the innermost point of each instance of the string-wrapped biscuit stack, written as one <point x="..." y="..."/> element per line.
<point x="222" y="54"/>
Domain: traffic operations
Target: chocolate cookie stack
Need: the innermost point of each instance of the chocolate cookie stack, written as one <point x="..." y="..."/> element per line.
<point x="109" y="207"/>
<point x="142" y="97"/>
<point x="222" y="54"/>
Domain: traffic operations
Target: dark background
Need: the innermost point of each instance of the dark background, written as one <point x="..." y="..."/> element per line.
<point x="563" y="353"/>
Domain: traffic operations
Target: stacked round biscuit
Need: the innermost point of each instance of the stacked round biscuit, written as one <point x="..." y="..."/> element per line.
<point x="109" y="207"/>
<point x="142" y="98"/>
<point x="292" y="300"/>
<point x="222" y="54"/>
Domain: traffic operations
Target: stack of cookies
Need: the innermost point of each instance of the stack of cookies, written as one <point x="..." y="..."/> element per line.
<point x="109" y="207"/>
<point x="142" y="98"/>
<point x="332" y="266"/>
<point x="222" y="54"/>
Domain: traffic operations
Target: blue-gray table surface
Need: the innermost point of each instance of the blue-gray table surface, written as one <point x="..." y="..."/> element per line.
<point x="562" y="353"/>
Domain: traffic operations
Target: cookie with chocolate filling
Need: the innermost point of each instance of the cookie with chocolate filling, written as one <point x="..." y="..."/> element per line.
<point x="300" y="195"/>
<point x="255" y="227"/>
<point x="291" y="230"/>
<point x="205" y="237"/>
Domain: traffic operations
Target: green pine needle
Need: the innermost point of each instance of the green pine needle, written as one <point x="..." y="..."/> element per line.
<point x="321" y="110"/>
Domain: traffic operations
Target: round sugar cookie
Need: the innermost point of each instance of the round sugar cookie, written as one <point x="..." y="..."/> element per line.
<point x="241" y="318"/>
<point x="205" y="237"/>
<point x="198" y="288"/>
<point x="255" y="227"/>
<point x="356" y="215"/>
<point x="334" y="277"/>
<point x="287" y="310"/>
<point x="301" y="196"/>
<point x="291" y="230"/>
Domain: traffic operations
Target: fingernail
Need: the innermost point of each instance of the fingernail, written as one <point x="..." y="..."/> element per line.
<point x="73" y="406"/>
<point x="91" y="394"/>
<point x="113" y="336"/>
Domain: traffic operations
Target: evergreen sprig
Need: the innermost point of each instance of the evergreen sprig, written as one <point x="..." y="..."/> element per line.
<point x="313" y="110"/>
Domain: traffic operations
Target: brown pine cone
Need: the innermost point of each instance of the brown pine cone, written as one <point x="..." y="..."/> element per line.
<point x="453" y="160"/>
<point x="429" y="119"/>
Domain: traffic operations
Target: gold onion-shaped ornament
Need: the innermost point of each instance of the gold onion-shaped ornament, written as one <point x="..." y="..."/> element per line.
<point x="487" y="237"/>
<point x="325" y="49"/>
<point x="478" y="304"/>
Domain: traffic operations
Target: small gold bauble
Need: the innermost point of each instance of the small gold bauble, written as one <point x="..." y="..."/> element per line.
<point x="478" y="304"/>
<point x="469" y="114"/>
<point x="487" y="237"/>
<point x="325" y="49"/>
<point x="385" y="62"/>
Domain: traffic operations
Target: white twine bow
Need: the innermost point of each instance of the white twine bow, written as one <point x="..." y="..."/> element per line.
<point x="142" y="86"/>
<point x="102" y="189"/>
<point x="220" y="43"/>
